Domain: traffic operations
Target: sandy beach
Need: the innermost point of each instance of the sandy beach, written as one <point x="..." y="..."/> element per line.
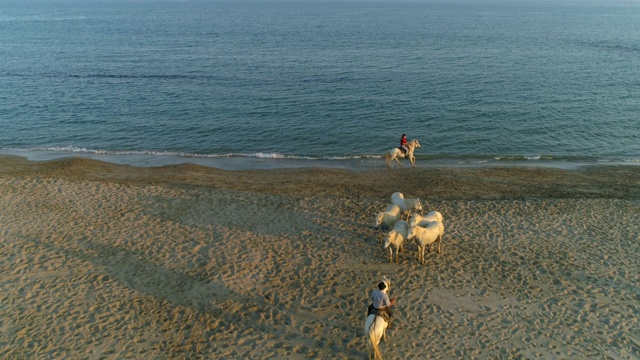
<point x="104" y="261"/>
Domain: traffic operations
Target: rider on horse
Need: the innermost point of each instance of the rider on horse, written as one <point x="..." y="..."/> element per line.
<point x="403" y="145"/>
<point x="381" y="304"/>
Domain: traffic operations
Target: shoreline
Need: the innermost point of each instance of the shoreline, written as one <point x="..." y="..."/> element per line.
<point x="276" y="161"/>
<point x="99" y="260"/>
<point x="439" y="183"/>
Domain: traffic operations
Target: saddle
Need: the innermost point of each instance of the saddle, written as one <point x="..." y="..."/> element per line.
<point x="382" y="313"/>
<point x="404" y="153"/>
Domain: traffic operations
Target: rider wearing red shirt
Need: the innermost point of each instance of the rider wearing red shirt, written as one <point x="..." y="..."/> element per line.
<point x="403" y="144"/>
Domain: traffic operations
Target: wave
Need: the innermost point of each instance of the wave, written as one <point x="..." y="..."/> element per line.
<point x="260" y="155"/>
<point x="470" y="159"/>
<point x="122" y="76"/>
<point x="30" y="18"/>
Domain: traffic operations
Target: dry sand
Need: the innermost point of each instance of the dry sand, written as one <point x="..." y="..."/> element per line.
<point x="101" y="261"/>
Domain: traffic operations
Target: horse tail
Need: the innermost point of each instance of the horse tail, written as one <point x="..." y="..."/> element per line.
<point x="387" y="158"/>
<point x="372" y="339"/>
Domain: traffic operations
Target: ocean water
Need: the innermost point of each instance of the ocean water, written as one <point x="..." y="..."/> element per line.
<point x="277" y="83"/>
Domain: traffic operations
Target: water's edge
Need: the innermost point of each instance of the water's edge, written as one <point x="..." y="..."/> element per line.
<point x="232" y="163"/>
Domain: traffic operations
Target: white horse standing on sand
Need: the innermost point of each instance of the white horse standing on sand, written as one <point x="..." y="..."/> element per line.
<point x="375" y="329"/>
<point x="406" y="205"/>
<point x="387" y="219"/>
<point x="396" y="238"/>
<point x="427" y="236"/>
<point x="396" y="153"/>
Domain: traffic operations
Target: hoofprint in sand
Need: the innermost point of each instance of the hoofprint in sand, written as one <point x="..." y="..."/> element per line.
<point x="116" y="269"/>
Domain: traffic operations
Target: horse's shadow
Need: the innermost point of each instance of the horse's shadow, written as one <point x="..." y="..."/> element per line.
<point x="131" y="270"/>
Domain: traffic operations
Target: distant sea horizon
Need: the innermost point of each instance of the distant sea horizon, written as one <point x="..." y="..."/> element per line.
<point x="275" y="84"/>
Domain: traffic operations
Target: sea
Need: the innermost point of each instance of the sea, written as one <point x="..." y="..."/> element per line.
<point x="263" y="84"/>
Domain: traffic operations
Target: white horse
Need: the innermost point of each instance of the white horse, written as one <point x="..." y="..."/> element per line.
<point x="396" y="153"/>
<point x="396" y="238"/>
<point x="374" y="329"/>
<point x="427" y="236"/>
<point x="406" y="205"/>
<point x="387" y="219"/>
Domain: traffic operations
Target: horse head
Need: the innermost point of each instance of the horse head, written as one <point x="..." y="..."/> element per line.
<point x="387" y="282"/>
<point x="418" y="206"/>
<point x="378" y="220"/>
<point x="412" y="231"/>
<point x="387" y="240"/>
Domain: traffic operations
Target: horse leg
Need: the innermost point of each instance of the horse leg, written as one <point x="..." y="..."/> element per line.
<point x="439" y="241"/>
<point x="397" y="160"/>
<point x="390" y="254"/>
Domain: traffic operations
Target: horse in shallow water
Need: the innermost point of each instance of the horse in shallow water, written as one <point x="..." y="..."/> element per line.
<point x="374" y="329"/>
<point x="396" y="153"/>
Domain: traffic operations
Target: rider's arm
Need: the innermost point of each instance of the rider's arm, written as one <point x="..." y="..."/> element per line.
<point x="387" y="302"/>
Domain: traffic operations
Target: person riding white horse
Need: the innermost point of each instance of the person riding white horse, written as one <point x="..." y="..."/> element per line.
<point x="378" y="317"/>
<point x="381" y="304"/>
<point x="405" y="150"/>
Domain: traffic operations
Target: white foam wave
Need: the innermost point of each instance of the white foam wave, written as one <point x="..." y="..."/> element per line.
<point x="620" y="161"/>
<point x="265" y="155"/>
<point x="259" y="155"/>
<point x="473" y="162"/>
<point x="276" y="156"/>
<point x="523" y="157"/>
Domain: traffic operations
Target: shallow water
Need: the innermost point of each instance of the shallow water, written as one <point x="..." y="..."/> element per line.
<point x="262" y="84"/>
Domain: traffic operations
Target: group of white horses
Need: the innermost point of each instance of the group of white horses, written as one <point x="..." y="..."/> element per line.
<point x="403" y="221"/>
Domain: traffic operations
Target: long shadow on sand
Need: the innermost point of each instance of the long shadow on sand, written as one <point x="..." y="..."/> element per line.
<point x="221" y="309"/>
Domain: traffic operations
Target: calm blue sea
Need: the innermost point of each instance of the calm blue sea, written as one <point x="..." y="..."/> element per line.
<point x="272" y="83"/>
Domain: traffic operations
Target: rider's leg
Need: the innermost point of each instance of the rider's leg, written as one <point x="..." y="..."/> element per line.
<point x="406" y="151"/>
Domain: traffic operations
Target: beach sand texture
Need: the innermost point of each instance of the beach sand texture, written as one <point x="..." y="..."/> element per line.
<point x="102" y="261"/>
